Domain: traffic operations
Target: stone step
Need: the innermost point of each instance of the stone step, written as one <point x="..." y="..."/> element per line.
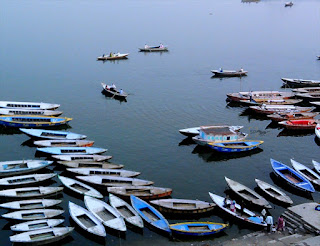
<point x="291" y="220"/>
<point x="309" y="228"/>
<point x="292" y="238"/>
<point x="292" y="215"/>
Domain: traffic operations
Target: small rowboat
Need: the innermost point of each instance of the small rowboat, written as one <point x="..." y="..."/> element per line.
<point x="86" y="220"/>
<point x="10" y="168"/>
<point x="182" y="206"/>
<point x="106" y="181"/>
<point x="190" y="132"/>
<point x="259" y="95"/>
<point x="72" y="150"/>
<point x="274" y="192"/>
<point x="153" y="49"/>
<point x="306" y="90"/>
<point x="235" y="146"/>
<point x="79" y="187"/>
<point x="149" y="214"/>
<point x="247" y="194"/>
<point x="34" y="214"/>
<point x="313" y="177"/>
<point x="114" y="92"/>
<point x="309" y="97"/>
<point x="116" y="56"/>
<point x="26" y="179"/>
<point x="300" y="82"/>
<point x="317" y="131"/>
<point x="292" y="116"/>
<point x="246" y="216"/>
<point x="36" y="225"/>
<point x="32" y="121"/>
<point x="316" y="104"/>
<point x="144" y="192"/>
<point x="306" y="124"/>
<point x="197" y="228"/>
<point x="43" y="236"/>
<point x="90" y="164"/>
<point x="82" y="157"/>
<point x="288" y="4"/>
<point x="316" y="165"/>
<point x="271" y="101"/>
<point x="270" y="109"/>
<point x="60" y="143"/>
<point x="126" y="211"/>
<point x="106" y="214"/>
<point x="30" y="204"/>
<point x="19" y="111"/>
<point x="49" y="134"/>
<point x="103" y="172"/>
<point x="291" y="177"/>
<point x="229" y="73"/>
<point x="28" y="105"/>
<point x="30" y="192"/>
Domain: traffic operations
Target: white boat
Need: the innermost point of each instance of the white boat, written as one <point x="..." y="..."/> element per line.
<point x="300" y="82"/>
<point x="90" y="164"/>
<point x="11" y="168"/>
<point x="190" y="132"/>
<point x="229" y="73"/>
<point x="26" y="179"/>
<point x="306" y="90"/>
<point x="51" y="134"/>
<point x="313" y="177"/>
<point x="153" y="48"/>
<point x="67" y="150"/>
<point x="36" y="225"/>
<point x="116" y="56"/>
<point x="33" y="214"/>
<point x="106" y="214"/>
<point x="82" y="157"/>
<point x="317" y="131"/>
<point x="43" y="236"/>
<point x="30" y="204"/>
<point x="106" y="181"/>
<point x="28" y="105"/>
<point x="103" y="172"/>
<point x="62" y="142"/>
<point x="316" y="165"/>
<point x="126" y="211"/>
<point x="288" y="4"/>
<point x="86" y="220"/>
<point x="270" y="109"/>
<point x="258" y="95"/>
<point x="79" y="187"/>
<point x="317" y="104"/>
<point x="20" y="111"/>
<point x="30" y="192"/>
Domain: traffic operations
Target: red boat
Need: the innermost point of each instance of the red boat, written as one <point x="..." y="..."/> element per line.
<point x="307" y="124"/>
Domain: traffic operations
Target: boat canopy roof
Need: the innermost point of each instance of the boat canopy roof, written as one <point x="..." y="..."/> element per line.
<point x="217" y="130"/>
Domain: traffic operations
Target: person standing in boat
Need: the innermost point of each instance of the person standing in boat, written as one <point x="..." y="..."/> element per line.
<point x="233" y="206"/>
<point x="111" y="54"/>
<point x="161" y="46"/>
<point x="146" y="46"/>
<point x="221" y="70"/>
<point x="121" y="92"/>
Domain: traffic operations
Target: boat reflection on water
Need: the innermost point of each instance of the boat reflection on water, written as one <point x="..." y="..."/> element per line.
<point x="273" y="125"/>
<point x="317" y="140"/>
<point x="186" y="142"/>
<point x="29" y="143"/>
<point x="15" y="130"/>
<point x="293" y="133"/>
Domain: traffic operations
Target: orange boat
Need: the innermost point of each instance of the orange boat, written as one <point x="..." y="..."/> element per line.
<point x="307" y="124"/>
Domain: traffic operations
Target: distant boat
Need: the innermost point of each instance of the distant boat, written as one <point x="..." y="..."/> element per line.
<point x="11" y="168"/>
<point x="149" y="214"/>
<point x="313" y="177"/>
<point x="20" y="111"/>
<point x="259" y="95"/>
<point x="306" y="90"/>
<point x="229" y="73"/>
<point x="300" y="82"/>
<point x="153" y="48"/>
<point x="235" y="146"/>
<point x="36" y="225"/>
<point x="90" y="164"/>
<point x="104" y="172"/>
<point x="316" y="165"/>
<point x="43" y="236"/>
<point x="197" y="228"/>
<point x="291" y="177"/>
<point x="271" y="101"/>
<point x="270" y="109"/>
<point x="30" y="192"/>
<point x="292" y="116"/>
<point x="143" y="192"/>
<point x="304" y="124"/>
<point x="112" y="92"/>
<point x="82" y="157"/>
<point x="50" y="134"/>
<point x="62" y="142"/>
<point x="29" y="179"/>
<point x="116" y="56"/>
<point x="30" y="204"/>
<point x="28" y="105"/>
<point x="288" y="4"/>
<point x="106" y="181"/>
<point x="72" y="150"/>
<point x="32" y="121"/>
<point x="33" y="214"/>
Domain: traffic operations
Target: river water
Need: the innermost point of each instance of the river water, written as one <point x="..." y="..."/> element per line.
<point x="48" y="53"/>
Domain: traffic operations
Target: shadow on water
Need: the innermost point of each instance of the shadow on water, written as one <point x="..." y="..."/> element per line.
<point x="273" y="125"/>
<point x="186" y="142"/>
<point x="293" y="133"/>
<point x="15" y="130"/>
<point x="29" y="143"/>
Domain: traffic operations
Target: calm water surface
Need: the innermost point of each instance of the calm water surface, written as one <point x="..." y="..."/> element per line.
<point x="49" y="50"/>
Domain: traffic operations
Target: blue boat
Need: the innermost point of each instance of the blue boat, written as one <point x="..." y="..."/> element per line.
<point x="72" y="150"/>
<point x="29" y="121"/>
<point x="291" y="176"/>
<point x="151" y="215"/>
<point x="235" y="146"/>
<point x="49" y="134"/>
<point x="197" y="228"/>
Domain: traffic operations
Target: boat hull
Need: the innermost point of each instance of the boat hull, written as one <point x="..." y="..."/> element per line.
<point x="29" y="121"/>
<point x="197" y="229"/>
<point x="235" y="146"/>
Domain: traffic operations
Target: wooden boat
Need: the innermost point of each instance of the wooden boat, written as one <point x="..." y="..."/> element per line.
<point x="154" y="49"/>
<point x="43" y="236"/>
<point x="300" y="82"/>
<point x="126" y="211"/>
<point x="306" y="90"/>
<point x="106" y="181"/>
<point x="86" y="220"/>
<point x="235" y="146"/>
<point x="292" y="116"/>
<point x="247" y="194"/>
<point x="79" y="187"/>
<point x="10" y="168"/>
<point x="270" y="109"/>
<point x="72" y="150"/>
<point x="316" y="104"/>
<point x="288" y="4"/>
<point x="309" y="97"/>
<point x="219" y="133"/>
<point x="313" y="177"/>
<point x="144" y="192"/>
<point x="82" y="157"/>
<point x="273" y="192"/>
<point x="36" y="225"/>
<point x="28" y="105"/>
<point x="33" y="214"/>
<point x="266" y="95"/>
<point x="30" y="204"/>
<point x="229" y="73"/>
<point x="305" y="124"/>
<point x="62" y="142"/>
<point x="32" y="121"/>
<point x="90" y="164"/>
<point x="149" y="214"/>
<point x="291" y="177"/>
<point x="26" y="179"/>
<point x="106" y="214"/>
<point x="197" y="228"/>
<point x="271" y="101"/>
<point x="30" y="192"/>
<point x="182" y="206"/>
<point x="316" y="165"/>
<point x="190" y="132"/>
<point x="49" y="134"/>
<point x="116" y="56"/>
<point x="21" y="111"/>
<point x="103" y="172"/>
<point x="114" y="93"/>
<point x="247" y="216"/>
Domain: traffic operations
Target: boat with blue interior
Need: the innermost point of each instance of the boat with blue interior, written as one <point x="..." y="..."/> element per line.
<point x="72" y="150"/>
<point x="197" y="228"/>
<point x="235" y="146"/>
<point x="32" y="121"/>
<point x="51" y="134"/>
